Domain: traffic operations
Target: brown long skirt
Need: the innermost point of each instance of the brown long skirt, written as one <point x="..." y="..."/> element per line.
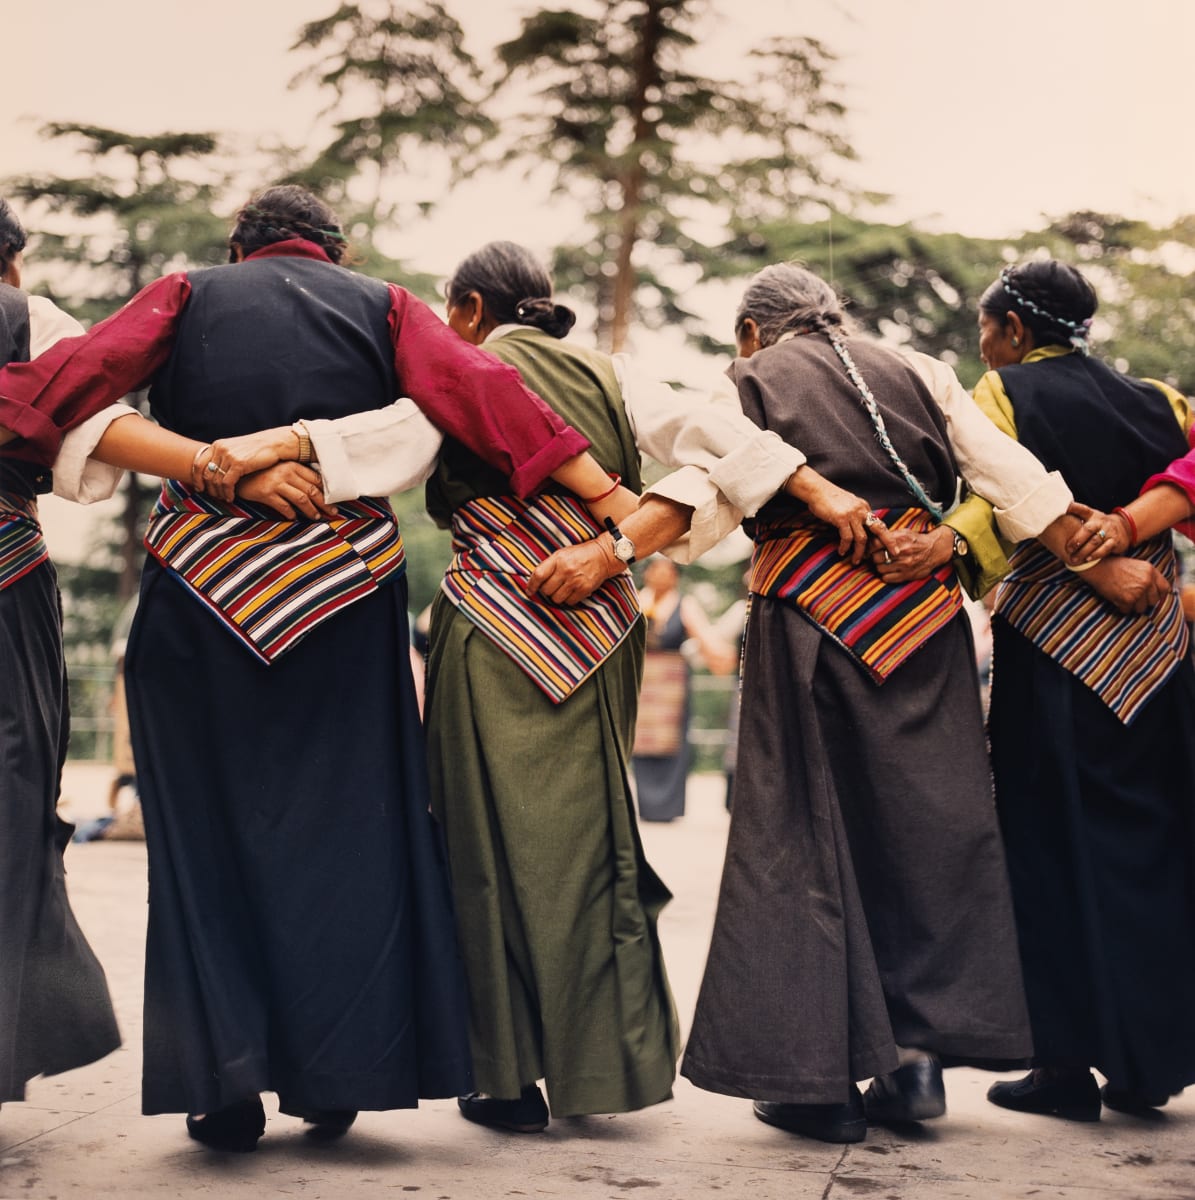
<point x="864" y="900"/>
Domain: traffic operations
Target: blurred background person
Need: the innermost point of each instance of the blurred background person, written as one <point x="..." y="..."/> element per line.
<point x="662" y="754"/>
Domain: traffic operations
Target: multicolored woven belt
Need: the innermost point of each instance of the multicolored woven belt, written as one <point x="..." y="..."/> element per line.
<point x="271" y="582"/>
<point x="880" y="624"/>
<point x="497" y="542"/>
<point x="22" y="546"/>
<point x="1125" y="658"/>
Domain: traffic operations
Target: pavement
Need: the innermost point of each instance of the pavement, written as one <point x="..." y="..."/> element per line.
<point x="81" y="1135"/>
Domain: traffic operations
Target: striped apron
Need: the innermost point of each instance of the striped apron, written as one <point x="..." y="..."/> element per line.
<point x="1125" y="658"/>
<point x="270" y="581"/>
<point x="497" y="542"/>
<point x="879" y="624"/>
<point x="22" y="546"/>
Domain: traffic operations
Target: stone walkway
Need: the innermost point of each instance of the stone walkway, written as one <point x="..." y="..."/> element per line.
<point x="81" y="1134"/>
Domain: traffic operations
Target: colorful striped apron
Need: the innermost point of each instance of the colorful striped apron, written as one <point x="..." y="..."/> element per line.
<point x="497" y="542"/>
<point x="268" y="580"/>
<point x="880" y="624"/>
<point x="1125" y="658"/>
<point x="22" y="546"/>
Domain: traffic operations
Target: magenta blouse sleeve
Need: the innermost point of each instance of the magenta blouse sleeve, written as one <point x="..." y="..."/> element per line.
<point x="472" y="396"/>
<point x="1180" y="474"/>
<point x="77" y="376"/>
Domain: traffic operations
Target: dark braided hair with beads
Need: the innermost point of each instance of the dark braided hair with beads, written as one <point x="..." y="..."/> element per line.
<point x="516" y="288"/>
<point x="1053" y="300"/>
<point x="287" y="211"/>
<point x="12" y="235"/>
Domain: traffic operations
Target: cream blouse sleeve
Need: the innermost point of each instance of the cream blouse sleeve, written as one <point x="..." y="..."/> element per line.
<point x="77" y="477"/>
<point x="1026" y="497"/>
<point x="727" y="467"/>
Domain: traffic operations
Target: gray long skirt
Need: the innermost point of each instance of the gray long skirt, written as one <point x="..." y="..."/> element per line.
<point x="864" y="900"/>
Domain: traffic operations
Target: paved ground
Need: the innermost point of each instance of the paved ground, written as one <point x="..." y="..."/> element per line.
<point x="81" y="1135"/>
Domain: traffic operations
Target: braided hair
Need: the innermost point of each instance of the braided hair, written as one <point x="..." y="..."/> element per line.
<point x="785" y="299"/>
<point x="1053" y="300"/>
<point x="12" y="235"/>
<point x="288" y="211"/>
<point x="515" y="287"/>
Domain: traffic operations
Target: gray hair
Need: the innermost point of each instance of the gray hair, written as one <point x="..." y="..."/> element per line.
<point x="785" y="297"/>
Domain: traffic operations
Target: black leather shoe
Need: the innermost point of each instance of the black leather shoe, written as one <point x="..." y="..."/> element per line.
<point x="825" y="1122"/>
<point x="235" y="1128"/>
<point x="914" y="1092"/>
<point x="1136" y="1104"/>
<point x="527" y="1114"/>
<point x="1073" y="1097"/>
<point x="329" y="1123"/>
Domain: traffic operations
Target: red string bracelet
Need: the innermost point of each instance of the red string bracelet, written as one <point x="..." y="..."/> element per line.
<point x="608" y="492"/>
<point x="1127" y="518"/>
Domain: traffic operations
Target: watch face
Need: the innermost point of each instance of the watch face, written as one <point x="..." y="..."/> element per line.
<point x="624" y="549"/>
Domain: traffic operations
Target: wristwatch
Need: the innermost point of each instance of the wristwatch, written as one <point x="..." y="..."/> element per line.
<point x="624" y="548"/>
<point x="960" y="549"/>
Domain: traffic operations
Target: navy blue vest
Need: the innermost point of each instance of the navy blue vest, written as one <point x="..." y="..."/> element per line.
<point x="1105" y="432"/>
<point x="267" y="341"/>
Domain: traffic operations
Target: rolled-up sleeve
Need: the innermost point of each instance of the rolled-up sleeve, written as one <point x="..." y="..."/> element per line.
<point x="80" y="376"/>
<point x="79" y="477"/>
<point x="1025" y="496"/>
<point x="470" y="395"/>
<point x="728" y="467"/>
<point x="375" y="453"/>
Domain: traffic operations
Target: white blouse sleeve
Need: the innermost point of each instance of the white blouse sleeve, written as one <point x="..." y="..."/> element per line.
<point x="76" y="476"/>
<point x="375" y="453"/>
<point x="727" y="466"/>
<point x="1026" y="497"/>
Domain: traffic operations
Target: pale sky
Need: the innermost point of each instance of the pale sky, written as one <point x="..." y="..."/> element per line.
<point x="977" y="117"/>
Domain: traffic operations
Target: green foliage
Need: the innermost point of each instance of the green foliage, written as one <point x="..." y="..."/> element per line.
<point x="922" y="289"/>
<point x="401" y="85"/>
<point x="146" y="209"/>
<point x="657" y="152"/>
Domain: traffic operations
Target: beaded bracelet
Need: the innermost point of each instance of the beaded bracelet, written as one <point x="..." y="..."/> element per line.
<point x="1127" y="518"/>
<point x="614" y="475"/>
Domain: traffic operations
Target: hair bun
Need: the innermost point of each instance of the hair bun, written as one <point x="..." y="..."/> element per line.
<point x="541" y="313"/>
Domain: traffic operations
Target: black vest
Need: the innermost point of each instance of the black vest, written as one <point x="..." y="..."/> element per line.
<point x="16" y="474"/>
<point x="267" y="341"/>
<point x="1105" y="432"/>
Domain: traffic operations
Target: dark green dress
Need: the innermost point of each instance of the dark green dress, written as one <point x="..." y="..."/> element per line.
<point x="556" y="905"/>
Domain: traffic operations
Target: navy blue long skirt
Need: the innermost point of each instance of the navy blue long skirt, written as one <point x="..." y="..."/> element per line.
<point x="55" y="1012"/>
<point x="301" y="936"/>
<point x="1099" y="827"/>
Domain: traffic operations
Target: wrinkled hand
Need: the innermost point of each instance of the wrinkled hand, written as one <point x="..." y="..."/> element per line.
<point x="1086" y="545"/>
<point x="569" y="575"/>
<point x="617" y="506"/>
<point x="916" y="555"/>
<point x="235" y="457"/>
<point x="287" y="487"/>
<point x="1128" y="583"/>
<point x="848" y="514"/>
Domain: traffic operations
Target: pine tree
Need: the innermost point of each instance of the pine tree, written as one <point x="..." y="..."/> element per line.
<point x="146" y="210"/>
<point x="659" y="153"/>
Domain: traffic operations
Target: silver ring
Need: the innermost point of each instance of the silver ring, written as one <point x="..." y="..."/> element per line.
<point x="222" y="470"/>
<point x="870" y="520"/>
<point x="1101" y="534"/>
<point x="211" y="468"/>
<point x="887" y="557"/>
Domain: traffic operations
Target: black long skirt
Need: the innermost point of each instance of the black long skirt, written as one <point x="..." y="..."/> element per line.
<point x="55" y="1011"/>
<point x="864" y="901"/>
<point x="301" y="934"/>
<point x="1097" y="821"/>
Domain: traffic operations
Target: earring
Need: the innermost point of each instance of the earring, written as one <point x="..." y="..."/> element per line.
<point x="1016" y="341"/>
